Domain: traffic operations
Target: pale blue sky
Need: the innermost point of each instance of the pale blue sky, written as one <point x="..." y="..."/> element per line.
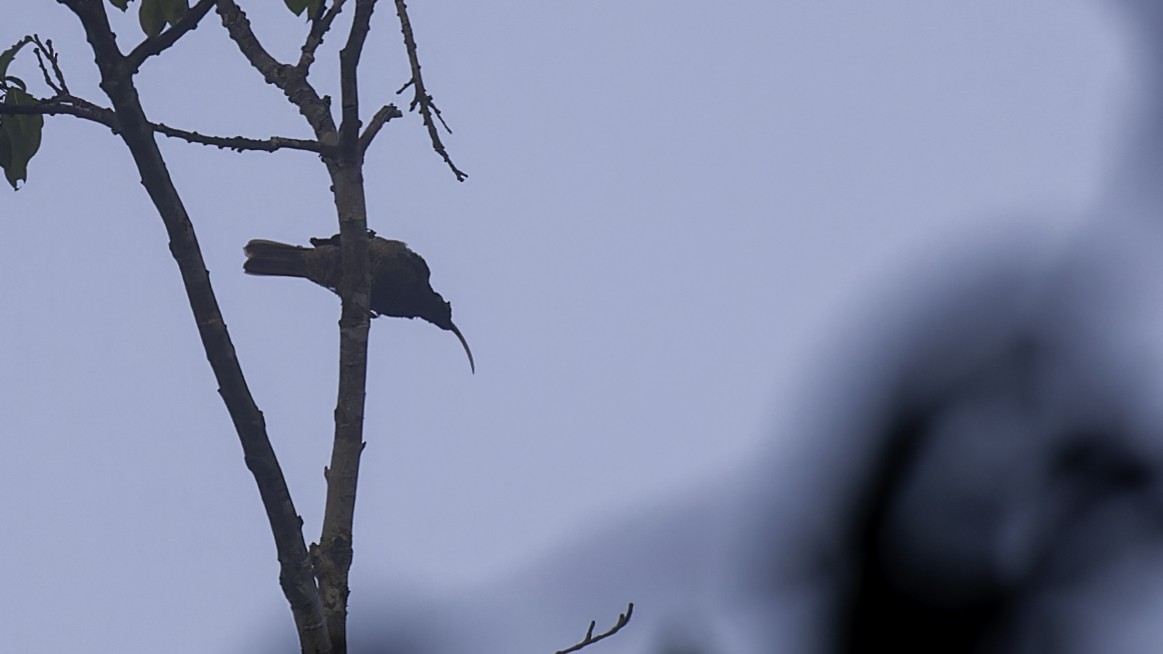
<point x="668" y="204"/>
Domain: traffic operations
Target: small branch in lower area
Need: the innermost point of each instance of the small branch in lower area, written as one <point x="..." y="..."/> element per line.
<point x="590" y="639"/>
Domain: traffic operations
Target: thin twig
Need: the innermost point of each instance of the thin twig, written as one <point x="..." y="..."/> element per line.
<point x="590" y="639"/>
<point x="44" y="70"/>
<point x="422" y="99"/>
<point x="386" y="113"/>
<point x="239" y="143"/>
<point x="73" y="106"/>
<point x="155" y="45"/>
<point x="46" y="49"/>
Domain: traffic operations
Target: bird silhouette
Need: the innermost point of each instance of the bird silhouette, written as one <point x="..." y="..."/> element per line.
<point x="399" y="277"/>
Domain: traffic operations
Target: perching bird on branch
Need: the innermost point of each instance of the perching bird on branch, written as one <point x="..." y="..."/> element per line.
<point x="399" y="284"/>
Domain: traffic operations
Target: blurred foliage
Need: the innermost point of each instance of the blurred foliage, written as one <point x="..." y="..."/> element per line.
<point x="19" y="134"/>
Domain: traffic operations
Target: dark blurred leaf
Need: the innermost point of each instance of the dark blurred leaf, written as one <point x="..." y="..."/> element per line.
<point x="151" y="17"/>
<point x="5" y="148"/>
<point x="120" y="4"/>
<point x="19" y="137"/>
<point x="173" y="10"/>
<point x="297" y="6"/>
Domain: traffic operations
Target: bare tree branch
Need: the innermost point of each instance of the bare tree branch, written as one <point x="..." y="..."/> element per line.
<point x="66" y="105"/>
<point x="238" y="27"/>
<point x="319" y="27"/>
<point x="295" y="574"/>
<point x="73" y="106"/>
<point x="44" y="70"/>
<point x="239" y="143"/>
<point x="386" y="113"/>
<point x="157" y="44"/>
<point x="333" y="555"/>
<point x="348" y="74"/>
<point x="422" y="99"/>
<point x="44" y="50"/>
<point x="590" y="639"/>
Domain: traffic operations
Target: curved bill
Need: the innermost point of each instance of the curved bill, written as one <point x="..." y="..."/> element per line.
<point x="467" y="351"/>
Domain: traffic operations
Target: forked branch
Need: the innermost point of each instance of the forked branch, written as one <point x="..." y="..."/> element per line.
<point x="590" y="639"/>
<point x="295" y="574"/>
<point x="44" y="51"/>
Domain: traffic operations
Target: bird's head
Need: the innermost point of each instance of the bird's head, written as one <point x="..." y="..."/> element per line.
<point x="439" y="312"/>
<point x="441" y="316"/>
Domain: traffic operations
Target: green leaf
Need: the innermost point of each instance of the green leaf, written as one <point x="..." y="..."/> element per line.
<point x="5" y="150"/>
<point x="173" y="10"/>
<point x="297" y="6"/>
<point x="151" y="17"/>
<point x="19" y="138"/>
<point x="8" y="55"/>
<point x="120" y="4"/>
<point x="14" y="172"/>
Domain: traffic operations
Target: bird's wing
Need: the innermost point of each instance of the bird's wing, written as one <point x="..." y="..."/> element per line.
<point x="406" y="259"/>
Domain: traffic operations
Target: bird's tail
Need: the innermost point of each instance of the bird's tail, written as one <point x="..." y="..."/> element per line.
<point x="274" y="258"/>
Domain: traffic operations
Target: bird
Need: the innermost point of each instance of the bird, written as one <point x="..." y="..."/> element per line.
<point x="399" y="277"/>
